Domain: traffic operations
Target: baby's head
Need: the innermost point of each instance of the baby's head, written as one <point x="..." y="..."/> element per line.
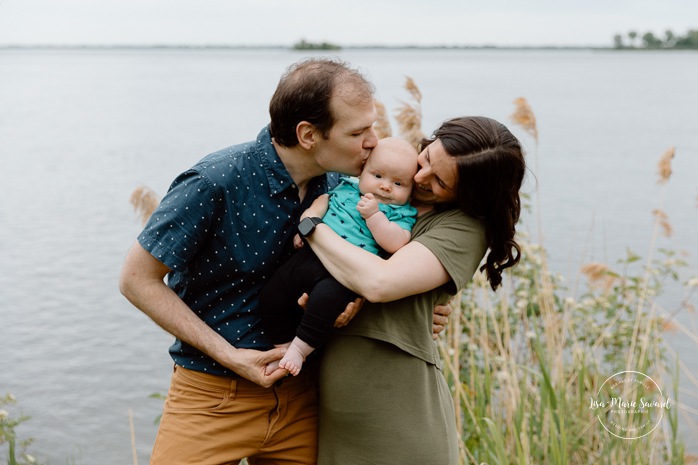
<point x="389" y="171"/>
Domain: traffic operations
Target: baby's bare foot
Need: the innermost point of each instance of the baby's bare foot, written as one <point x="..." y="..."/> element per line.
<point x="292" y="361"/>
<point x="291" y="368"/>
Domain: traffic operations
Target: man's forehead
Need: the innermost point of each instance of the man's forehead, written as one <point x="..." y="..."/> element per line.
<point x="352" y="94"/>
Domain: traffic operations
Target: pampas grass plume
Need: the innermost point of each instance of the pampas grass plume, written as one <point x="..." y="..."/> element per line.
<point x="663" y="220"/>
<point x="409" y="117"/>
<point x="382" y="125"/>
<point x="144" y="201"/>
<point x="523" y="116"/>
<point x="599" y="274"/>
<point x="664" y="166"/>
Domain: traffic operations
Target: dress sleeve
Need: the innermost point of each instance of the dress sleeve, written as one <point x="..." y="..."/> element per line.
<point x="458" y="241"/>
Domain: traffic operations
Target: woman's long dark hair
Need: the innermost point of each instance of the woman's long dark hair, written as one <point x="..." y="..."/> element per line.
<point x="490" y="165"/>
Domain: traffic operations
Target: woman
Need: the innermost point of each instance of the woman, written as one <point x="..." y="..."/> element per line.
<point x="384" y="399"/>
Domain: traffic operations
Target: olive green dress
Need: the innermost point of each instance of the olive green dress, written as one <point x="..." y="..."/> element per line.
<point x="383" y="397"/>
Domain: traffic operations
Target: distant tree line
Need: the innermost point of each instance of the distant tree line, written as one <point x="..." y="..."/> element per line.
<point x="650" y="41"/>
<point x="304" y="45"/>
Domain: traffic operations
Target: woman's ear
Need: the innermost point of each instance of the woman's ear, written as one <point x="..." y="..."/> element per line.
<point x="306" y="133"/>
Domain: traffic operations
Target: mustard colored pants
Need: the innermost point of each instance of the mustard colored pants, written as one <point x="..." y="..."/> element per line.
<point x="213" y="420"/>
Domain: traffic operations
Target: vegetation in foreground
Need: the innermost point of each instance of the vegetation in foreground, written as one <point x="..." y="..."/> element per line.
<point x="16" y="448"/>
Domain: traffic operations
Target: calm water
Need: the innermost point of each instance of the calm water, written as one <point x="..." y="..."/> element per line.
<point x="80" y="129"/>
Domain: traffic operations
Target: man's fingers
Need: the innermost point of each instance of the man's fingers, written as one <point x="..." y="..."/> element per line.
<point x="345" y="316"/>
<point x="271" y="355"/>
<point x="443" y="310"/>
<point x="303" y="301"/>
<point x="436" y="330"/>
<point x="440" y="320"/>
<point x="276" y="375"/>
<point x="349" y="312"/>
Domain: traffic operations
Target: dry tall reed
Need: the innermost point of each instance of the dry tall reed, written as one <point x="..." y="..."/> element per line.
<point x="144" y="201"/>
<point x="409" y="115"/>
<point x="382" y="125"/>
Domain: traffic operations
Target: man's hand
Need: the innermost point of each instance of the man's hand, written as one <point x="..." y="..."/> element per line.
<point x="349" y="313"/>
<point x="367" y="206"/>
<point x="251" y="364"/>
<point x="346" y="316"/>
<point x="441" y="314"/>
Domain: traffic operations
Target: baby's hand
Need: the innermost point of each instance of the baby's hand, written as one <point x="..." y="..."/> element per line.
<point x="367" y="206"/>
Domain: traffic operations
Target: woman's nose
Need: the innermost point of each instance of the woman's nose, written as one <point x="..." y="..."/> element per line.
<point x="421" y="175"/>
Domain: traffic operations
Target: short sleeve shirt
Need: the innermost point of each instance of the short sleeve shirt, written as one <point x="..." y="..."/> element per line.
<point x="223" y="227"/>
<point x="344" y="219"/>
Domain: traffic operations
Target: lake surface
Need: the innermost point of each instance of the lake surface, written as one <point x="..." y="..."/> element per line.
<point x="79" y="130"/>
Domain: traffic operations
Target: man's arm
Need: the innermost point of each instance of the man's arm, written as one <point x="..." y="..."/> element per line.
<point x="141" y="282"/>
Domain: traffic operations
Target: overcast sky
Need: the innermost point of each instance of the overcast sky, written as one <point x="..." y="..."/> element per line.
<point x="345" y="22"/>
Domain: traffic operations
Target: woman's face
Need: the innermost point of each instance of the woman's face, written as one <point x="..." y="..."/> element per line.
<point x="437" y="178"/>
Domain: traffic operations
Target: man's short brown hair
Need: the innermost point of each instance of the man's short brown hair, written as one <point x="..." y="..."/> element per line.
<point x="304" y="94"/>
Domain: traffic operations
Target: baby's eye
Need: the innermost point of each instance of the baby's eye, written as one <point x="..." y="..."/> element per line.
<point x="378" y="176"/>
<point x="399" y="184"/>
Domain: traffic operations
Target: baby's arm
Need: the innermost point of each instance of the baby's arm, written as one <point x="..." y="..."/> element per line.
<point x="389" y="235"/>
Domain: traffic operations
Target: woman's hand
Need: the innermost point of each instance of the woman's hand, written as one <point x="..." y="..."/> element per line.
<point x="318" y="207"/>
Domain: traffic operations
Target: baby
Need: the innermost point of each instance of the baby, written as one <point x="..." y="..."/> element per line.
<point x="372" y="213"/>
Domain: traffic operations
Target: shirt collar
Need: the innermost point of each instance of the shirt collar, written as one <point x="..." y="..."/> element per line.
<point x="277" y="175"/>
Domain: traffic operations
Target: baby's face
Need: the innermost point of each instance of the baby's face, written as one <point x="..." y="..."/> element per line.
<point x="389" y="174"/>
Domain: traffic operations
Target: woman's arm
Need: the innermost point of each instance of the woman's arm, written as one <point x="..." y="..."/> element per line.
<point x="411" y="270"/>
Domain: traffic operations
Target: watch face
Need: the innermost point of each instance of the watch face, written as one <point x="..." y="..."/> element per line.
<point x="306" y="226"/>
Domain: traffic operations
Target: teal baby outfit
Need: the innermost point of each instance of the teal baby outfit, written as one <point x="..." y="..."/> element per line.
<point x="343" y="217"/>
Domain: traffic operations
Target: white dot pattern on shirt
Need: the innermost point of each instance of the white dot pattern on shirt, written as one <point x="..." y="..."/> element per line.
<point x="237" y="235"/>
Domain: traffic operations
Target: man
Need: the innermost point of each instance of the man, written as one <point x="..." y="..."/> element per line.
<point x="224" y="226"/>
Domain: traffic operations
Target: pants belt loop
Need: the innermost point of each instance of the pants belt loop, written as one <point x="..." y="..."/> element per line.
<point x="233" y="388"/>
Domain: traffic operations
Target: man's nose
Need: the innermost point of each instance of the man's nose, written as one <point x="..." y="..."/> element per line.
<point x="371" y="139"/>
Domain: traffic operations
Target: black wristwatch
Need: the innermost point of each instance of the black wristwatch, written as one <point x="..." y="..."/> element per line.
<point x="307" y="225"/>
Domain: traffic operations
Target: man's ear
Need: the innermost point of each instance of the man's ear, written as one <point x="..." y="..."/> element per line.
<point x="306" y="134"/>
